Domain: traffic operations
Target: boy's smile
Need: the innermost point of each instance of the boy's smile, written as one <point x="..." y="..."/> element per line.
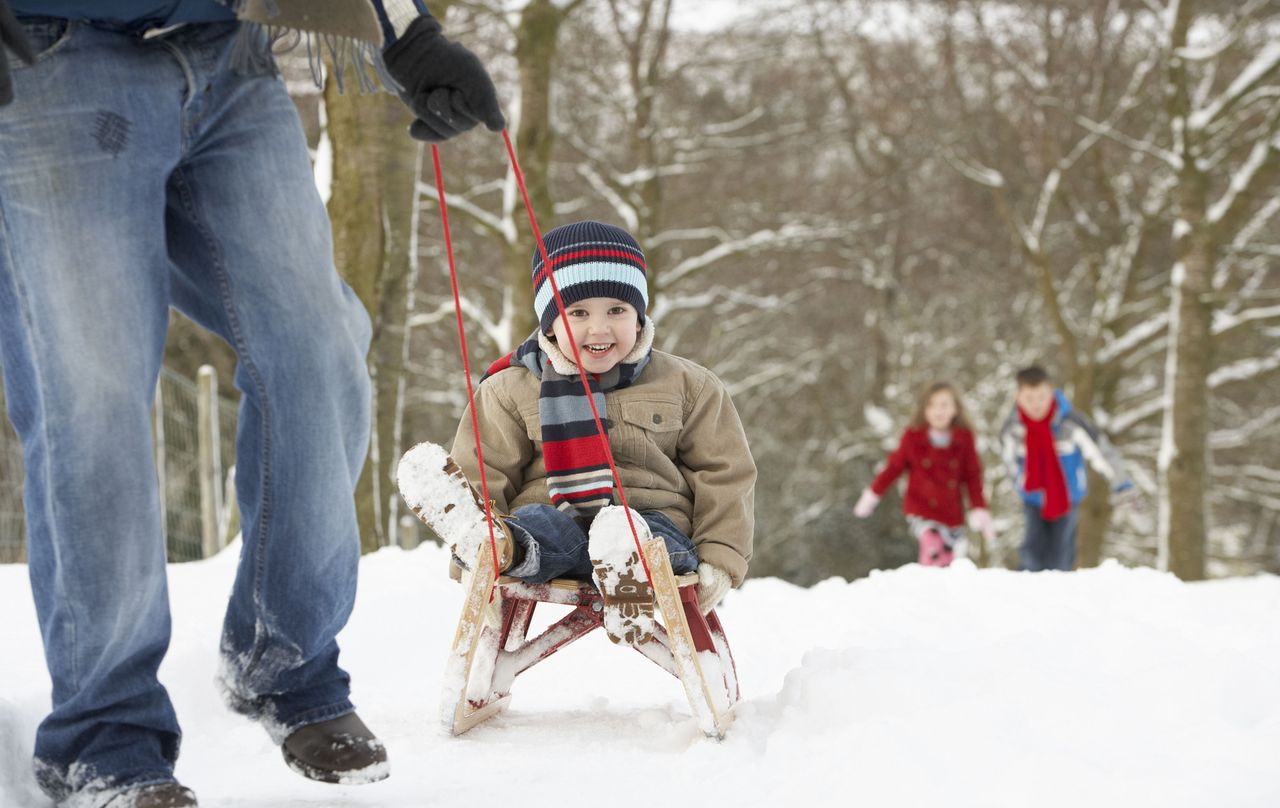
<point x="604" y="329"/>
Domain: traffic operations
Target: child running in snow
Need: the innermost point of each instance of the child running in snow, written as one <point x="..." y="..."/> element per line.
<point x="937" y="452"/>
<point x="674" y="434"/>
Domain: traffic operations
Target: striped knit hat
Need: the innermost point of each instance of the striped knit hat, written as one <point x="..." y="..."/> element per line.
<point x="590" y="259"/>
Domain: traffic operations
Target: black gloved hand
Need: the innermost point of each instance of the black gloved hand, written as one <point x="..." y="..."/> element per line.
<point x="445" y="85"/>
<point x="12" y="38"/>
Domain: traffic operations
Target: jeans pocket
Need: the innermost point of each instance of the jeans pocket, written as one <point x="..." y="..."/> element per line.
<point x="47" y="35"/>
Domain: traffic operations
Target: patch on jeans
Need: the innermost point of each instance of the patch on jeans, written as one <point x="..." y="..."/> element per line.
<point x="112" y="132"/>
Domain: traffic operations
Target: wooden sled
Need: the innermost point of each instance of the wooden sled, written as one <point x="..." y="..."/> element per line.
<point x="492" y="647"/>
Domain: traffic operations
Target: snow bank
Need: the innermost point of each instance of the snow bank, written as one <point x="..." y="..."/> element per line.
<point x="958" y="687"/>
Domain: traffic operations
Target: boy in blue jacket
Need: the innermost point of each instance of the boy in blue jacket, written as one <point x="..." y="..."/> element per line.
<point x="1045" y="444"/>
<point x="149" y="157"/>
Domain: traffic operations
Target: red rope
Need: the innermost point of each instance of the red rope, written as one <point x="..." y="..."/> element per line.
<point x="466" y="361"/>
<point x="577" y="360"/>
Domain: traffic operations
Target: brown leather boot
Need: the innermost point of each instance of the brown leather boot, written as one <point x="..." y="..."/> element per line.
<point x="164" y="795"/>
<point x="340" y="750"/>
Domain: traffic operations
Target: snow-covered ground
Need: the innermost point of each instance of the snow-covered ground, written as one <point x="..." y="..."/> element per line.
<point x="918" y="687"/>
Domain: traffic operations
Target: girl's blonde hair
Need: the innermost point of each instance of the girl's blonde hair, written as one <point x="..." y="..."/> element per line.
<point x="961" y="419"/>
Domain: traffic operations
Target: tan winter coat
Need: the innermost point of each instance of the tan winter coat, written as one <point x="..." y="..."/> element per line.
<point x="675" y="436"/>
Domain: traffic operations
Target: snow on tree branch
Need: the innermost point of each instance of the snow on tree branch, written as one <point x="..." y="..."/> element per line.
<point x="1223" y="323"/>
<point x="1263" y="65"/>
<point x="1134" y="337"/>
<point x="1244" y="370"/>
<point x="983" y="175"/>
<point x="761" y="239"/>
<point x="1146" y="147"/>
<point x="503" y="227"/>
<point x="1246" y="433"/>
<point x="1263" y="156"/>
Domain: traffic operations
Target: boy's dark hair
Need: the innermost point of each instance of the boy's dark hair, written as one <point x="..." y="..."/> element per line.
<point x="1032" y="376"/>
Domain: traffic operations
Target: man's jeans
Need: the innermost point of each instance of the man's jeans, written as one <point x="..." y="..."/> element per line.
<point x="1049" y="545"/>
<point x="136" y="174"/>
<point x="556" y="546"/>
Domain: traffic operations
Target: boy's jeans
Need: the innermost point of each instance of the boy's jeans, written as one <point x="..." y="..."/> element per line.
<point x="136" y="174"/>
<point x="560" y="546"/>
<point x="1049" y="545"/>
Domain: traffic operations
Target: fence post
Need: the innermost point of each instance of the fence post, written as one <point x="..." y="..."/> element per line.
<point x="210" y="461"/>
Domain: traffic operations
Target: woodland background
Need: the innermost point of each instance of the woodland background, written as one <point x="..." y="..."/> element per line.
<point x="842" y="202"/>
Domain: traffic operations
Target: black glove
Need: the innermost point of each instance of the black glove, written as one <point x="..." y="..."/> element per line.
<point x="13" y="38"/>
<point x="445" y="85"/>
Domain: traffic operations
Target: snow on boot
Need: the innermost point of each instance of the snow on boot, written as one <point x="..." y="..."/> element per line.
<point x="342" y="750"/>
<point x="164" y="795"/>
<point x="435" y="489"/>
<point x="620" y="576"/>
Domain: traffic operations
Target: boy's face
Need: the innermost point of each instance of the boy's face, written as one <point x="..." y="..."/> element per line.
<point x="604" y="329"/>
<point x="940" y="410"/>
<point x="1035" y="400"/>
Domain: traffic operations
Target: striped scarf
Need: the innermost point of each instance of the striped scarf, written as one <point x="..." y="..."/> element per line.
<point x="578" y="476"/>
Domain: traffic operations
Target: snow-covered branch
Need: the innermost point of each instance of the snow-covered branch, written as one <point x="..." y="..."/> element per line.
<point x="1146" y="147"/>
<point x="761" y="239"/>
<point x="1263" y="156"/>
<point x="1263" y="65"/>
<point x="1223" y="323"/>
<point x="1246" y="433"/>
<point x="503" y="227"/>
<point x="626" y="211"/>
<point x="1244" y="369"/>
<point x="983" y="175"/>
<point x="1134" y="415"/>
<point x="1134" y="337"/>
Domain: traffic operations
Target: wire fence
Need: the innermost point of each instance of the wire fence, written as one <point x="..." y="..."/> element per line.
<point x="195" y="481"/>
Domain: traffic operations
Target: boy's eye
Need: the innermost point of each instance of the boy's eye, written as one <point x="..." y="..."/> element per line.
<point x="618" y="310"/>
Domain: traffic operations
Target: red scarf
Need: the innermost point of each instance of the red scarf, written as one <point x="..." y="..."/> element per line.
<point x="1043" y="468"/>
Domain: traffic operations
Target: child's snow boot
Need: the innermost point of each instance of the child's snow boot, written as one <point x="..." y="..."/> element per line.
<point x="934" y="551"/>
<point x="620" y="577"/>
<point x="437" y="491"/>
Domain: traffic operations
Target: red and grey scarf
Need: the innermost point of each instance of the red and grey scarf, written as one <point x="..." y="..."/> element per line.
<point x="578" y="476"/>
<point x="1043" y="468"/>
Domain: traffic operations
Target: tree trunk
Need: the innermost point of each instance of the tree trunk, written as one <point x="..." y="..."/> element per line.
<point x="536" y="38"/>
<point x="1184" y="447"/>
<point x="371" y="210"/>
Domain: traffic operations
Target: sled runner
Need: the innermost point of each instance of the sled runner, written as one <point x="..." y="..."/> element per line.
<point x="492" y="645"/>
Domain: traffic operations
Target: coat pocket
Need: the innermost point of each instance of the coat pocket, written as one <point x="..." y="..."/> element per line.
<point x="653" y="425"/>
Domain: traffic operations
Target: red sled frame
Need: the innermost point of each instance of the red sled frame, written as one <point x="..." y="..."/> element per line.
<point x="492" y="645"/>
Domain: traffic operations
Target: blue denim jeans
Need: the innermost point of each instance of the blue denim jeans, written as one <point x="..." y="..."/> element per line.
<point x="1049" y="545"/>
<point x="556" y="546"/>
<point x="138" y="174"/>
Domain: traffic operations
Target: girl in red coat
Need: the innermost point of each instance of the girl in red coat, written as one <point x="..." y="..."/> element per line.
<point x="937" y="452"/>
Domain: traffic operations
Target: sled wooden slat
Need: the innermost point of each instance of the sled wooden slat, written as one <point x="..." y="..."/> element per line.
<point x="492" y="647"/>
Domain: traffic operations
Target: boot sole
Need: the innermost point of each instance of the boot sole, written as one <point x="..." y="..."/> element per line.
<point x="371" y="774"/>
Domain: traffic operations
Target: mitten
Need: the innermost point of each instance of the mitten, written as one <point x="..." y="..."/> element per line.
<point x="444" y="84"/>
<point x="12" y="38"/>
<point x="980" y="520"/>
<point x="713" y="584"/>
<point x="866" y="504"/>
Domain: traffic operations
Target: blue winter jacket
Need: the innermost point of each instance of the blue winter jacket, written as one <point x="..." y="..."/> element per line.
<point x="1077" y="440"/>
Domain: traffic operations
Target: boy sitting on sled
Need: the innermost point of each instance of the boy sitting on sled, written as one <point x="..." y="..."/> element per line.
<point x="677" y="442"/>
